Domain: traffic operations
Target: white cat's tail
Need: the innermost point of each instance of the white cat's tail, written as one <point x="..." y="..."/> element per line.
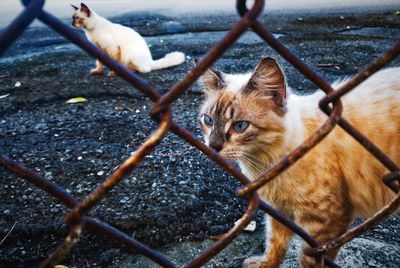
<point x="171" y="59"/>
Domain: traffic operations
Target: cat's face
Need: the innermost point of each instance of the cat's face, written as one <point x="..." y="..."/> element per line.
<point x="242" y="115"/>
<point x="80" y="16"/>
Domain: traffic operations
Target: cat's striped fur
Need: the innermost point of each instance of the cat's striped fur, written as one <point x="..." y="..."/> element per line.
<point x="334" y="182"/>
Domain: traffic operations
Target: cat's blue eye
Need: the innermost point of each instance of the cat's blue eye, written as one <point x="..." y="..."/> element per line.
<point x="240" y="126"/>
<point x="208" y="120"/>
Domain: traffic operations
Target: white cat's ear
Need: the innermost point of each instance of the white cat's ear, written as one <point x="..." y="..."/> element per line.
<point x="268" y="80"/>
<point x="75" y="7"/>
<point x="85" y="9"/>
<point x="213" y="80"/>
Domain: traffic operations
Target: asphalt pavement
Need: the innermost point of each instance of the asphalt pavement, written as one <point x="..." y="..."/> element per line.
<point x="177" y="199"/>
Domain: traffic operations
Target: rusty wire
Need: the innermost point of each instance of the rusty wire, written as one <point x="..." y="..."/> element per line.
<point x="77" y="213"/>
<point x="367" y="224"/>
<point x="160" y="112"/>
<point x="68" y="200"/>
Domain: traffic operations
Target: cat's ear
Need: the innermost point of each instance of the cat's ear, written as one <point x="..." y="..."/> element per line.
<point x="213" y="80"/>
<point x="268" y="80"/>
<point x="75" y="7"/>
<point x="85" y="9"/>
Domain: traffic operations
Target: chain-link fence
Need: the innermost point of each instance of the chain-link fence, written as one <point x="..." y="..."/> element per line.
<point x="161" y="113"/>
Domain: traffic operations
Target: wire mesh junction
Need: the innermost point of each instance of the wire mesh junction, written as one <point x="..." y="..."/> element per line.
<point x="161" y="113"/>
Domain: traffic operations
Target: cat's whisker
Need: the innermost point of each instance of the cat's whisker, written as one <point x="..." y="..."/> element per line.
<point x="327" y="186"/>
<point x="255" y="157"/>
<point x="254" y="162"/>
<point x="257" y="166"/>
<point x="266" y="162"/>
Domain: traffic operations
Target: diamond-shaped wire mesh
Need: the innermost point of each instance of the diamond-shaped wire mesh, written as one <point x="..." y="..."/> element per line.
<point x="161" y="113"/>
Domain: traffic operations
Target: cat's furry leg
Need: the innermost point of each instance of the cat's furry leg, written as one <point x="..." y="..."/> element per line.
<point x="324" y="230"/>
<point x="99" y="68"/>
<point x="278" y="238"/>
<point x="133" y="67"/>
<point x="116" y="55"/>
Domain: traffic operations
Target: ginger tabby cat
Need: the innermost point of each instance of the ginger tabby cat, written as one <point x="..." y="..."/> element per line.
<point x="253" y="120"/>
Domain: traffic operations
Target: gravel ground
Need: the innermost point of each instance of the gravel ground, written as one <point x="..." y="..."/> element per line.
<point x="177" y="198"/>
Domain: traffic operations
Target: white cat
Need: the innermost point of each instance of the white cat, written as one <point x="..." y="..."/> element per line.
<point x="121" y="43"/>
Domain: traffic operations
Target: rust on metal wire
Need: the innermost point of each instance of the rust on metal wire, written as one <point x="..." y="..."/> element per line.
<point x="228" y="237"/>
<point x="122" y="171"/>
<point x="290" y="57"/>
<point x="363" y="75"/>
<point x="214" y="53"/>
<point x="38" y="180"/>
<point x="390" y="178"/>
<point x="57" y="256"/>
<point x="96" y="52"/>
<point x="186" y="135"/>
<point x="160" y="112"/>
<point x="355" y="81"/>
<point x="90" y="223"/>
<point x="356" y="231"/>
<point x="292" y="158"/>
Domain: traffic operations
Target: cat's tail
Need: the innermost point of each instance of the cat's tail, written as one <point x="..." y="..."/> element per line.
<point x="169" y="60"/>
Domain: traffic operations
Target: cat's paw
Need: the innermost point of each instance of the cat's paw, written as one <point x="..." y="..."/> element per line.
<point x="255" y="262"/>
<point x="111" y="74"/>
<point x="95" y="71"/>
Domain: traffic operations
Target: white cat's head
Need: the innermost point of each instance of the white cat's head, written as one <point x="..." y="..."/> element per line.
<point x="81" y="17"/>
<point x="242" y="115"/>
